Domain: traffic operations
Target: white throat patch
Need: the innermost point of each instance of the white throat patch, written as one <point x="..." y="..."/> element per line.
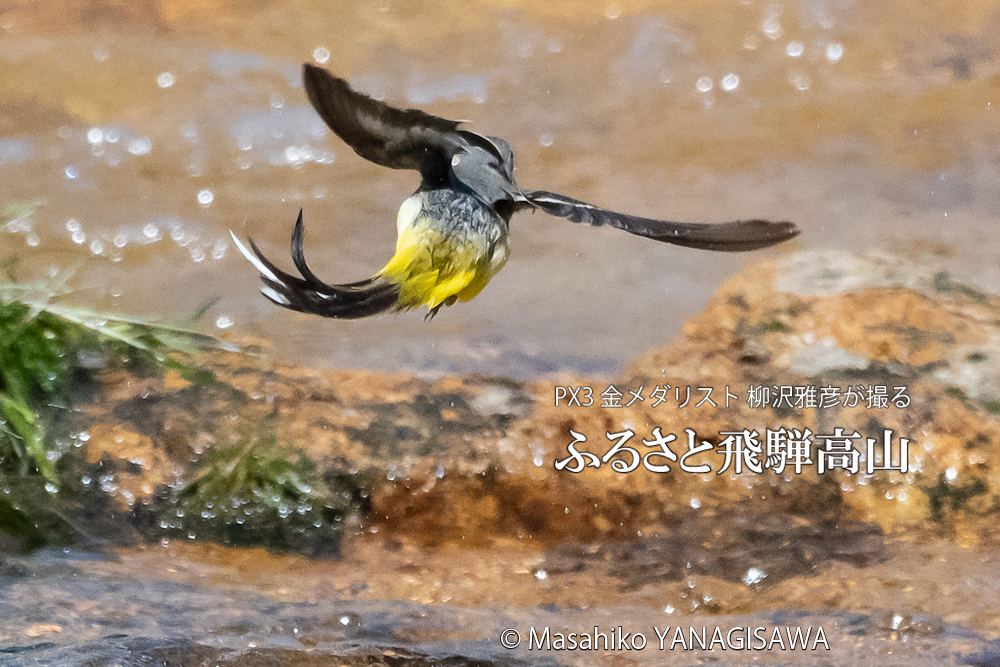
<point x="408" y="212"/>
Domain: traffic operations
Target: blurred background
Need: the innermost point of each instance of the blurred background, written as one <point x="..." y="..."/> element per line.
<point x="144" y="131"/>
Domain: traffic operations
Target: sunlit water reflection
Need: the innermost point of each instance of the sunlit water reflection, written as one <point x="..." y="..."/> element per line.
<point x="146" y="132"/>
<point x="147" y="150"/>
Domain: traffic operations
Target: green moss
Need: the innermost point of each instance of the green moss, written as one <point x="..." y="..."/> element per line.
<point x="955" y="392"/>
<point x="943" y="283"/>
<point x="991" y="406"/>
<point x="946" y="498"/>
<point x="773" y="325"/>
<point x="48" y="351"/>
<point x="255" y="493"/>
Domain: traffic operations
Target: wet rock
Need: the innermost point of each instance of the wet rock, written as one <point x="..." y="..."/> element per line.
<point x="471" y="460"/>
<point x="148" y="651"/>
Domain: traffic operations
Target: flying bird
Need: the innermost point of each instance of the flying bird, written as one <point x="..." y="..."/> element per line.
<point x="452" y="232"/>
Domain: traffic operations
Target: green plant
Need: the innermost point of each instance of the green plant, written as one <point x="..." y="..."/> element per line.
<point x="253" y="492"/>
<point x="45" y="345"/>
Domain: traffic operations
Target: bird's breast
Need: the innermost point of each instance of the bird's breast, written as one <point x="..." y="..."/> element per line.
<point x="409" y="210"/>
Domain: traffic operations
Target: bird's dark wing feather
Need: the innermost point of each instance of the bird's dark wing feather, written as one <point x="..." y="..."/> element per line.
<point x="395" y="138"/>
<point x="311" y="295"/>
<point x="727" y="236"/>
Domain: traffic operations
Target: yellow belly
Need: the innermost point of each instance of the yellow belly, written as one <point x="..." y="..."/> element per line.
<point x="432" y="268"/>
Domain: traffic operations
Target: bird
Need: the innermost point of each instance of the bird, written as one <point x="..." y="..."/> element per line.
<point x="452" y="231"/>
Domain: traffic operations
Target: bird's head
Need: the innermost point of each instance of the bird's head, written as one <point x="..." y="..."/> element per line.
<point x="484" y="166"/>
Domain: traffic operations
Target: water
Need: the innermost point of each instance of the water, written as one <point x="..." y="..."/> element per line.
<point x="184" y="604"/>
<point x="157" y="130"/>
<point x="145" y="132"/>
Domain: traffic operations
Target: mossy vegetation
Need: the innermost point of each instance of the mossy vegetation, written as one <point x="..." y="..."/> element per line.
<point x="47" y="348"/>
<point x="252" y="493"/>
<point x="944" y="283"/>
<point x="950" y="498"/>
<point x="246" y="490"/>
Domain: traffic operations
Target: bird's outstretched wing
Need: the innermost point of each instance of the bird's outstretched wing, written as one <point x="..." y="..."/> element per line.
<point x="385" y="135"/>
<point x="727" y="236"/>
<point x="309" y="294"/>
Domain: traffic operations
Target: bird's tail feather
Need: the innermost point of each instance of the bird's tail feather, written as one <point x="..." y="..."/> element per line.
<point x="309" y="294"/>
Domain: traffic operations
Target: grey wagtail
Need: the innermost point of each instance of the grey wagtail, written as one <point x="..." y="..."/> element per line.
<point x="452" y="232"/>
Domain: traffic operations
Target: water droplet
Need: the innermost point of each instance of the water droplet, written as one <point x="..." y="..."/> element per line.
<point x="276" y="101"/>
<point x="244" y="143"/>
<point x="771" y="27"/>
<point x="72" y="225"/>
<point x="224" y="322"/>
<point x="205" y="197"/>
<point x="951" y="474"/>
<point x="345" y="620"/>
<point x="95" y="135"/>
<point x="546" y="139"/>
<point x="140" y="146"/>
<point x="190" y="132"/>
<point x="669" y="609"/>
<point x="554" y="46"/>
<point x="730" y="82"/>
<point x="695" y="503"/>
<point x="704" y="84"/>
<point x="151" y="232"/>
<point x="321" y="55"/>
<point x="612" y="12"/>
<point x="70" y="173"/>
<point x="52" y="488"/>
<point x="541" y="575"/>
<point x="32" y="240"/>
<point x="219" y="248"/>
<point x="834" y="52"/>
<point x="120" y="240"/>
<point x="197" y="254"/>
<point x="795" y="49"/>
<point x="165" y="80"/>
<point x="97" y="246"/>
<point x="79" y="237"/>
<point x="754" y="576"/>
<point x="799" y="80"/>
<point x="112" y="136"/>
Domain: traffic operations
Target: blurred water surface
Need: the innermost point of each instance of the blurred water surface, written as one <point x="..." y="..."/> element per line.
<point x="151" y="129"/>
<point x="145" y="131"/>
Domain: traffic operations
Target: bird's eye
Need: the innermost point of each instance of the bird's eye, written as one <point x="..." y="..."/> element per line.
<point x="455" y="160"/>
